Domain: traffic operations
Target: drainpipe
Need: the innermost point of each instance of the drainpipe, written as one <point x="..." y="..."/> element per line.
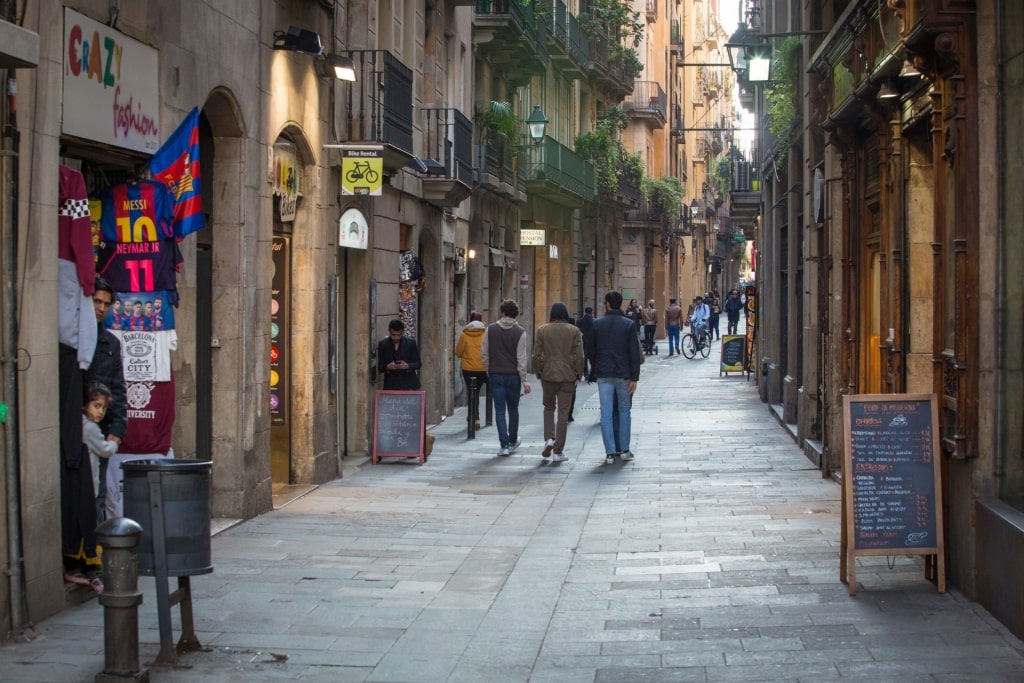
<point x="9" y="355"/>
<point x="1001" y="165"/>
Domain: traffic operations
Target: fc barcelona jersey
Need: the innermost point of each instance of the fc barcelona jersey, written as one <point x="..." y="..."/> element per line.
<point x="137" y="212"/>
<point x="140" y="267"/>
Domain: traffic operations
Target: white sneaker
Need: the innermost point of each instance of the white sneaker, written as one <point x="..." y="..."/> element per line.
<point x="503" y="451"/>
<point x="626" y="456"/>
<point x="610" y="460"/>
<point x="559" y="457"/>
<point x="549" y="446"/>
<point x="514" y="447"/>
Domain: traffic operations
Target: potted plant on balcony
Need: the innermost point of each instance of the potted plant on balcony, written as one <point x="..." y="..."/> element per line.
<point x="499" y="126"/>
<point x="781" y="94"/>
<point x="618" y="20"/>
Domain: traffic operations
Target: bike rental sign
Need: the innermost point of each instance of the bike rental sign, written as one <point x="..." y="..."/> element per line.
<point x="362" y="170"/>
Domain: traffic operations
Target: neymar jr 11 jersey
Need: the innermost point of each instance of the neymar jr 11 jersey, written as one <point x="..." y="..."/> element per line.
<point x="137" y="212"/>
<point x="140" y="267"/>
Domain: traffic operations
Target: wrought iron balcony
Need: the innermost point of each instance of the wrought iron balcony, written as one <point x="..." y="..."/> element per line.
<point x="377" y="107"/>
<point x="511" y="35"/>
<point x="448" y="139"/>
<point x="647" y="102"/>
<point x="676" y="38"/>
<point x="496" y="165"/>
<point x="557" y="173"/>
<point x="569" y="46"/>
<point x="611" y="76"/>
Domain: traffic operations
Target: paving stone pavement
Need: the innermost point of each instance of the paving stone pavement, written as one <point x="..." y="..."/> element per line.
<point x="713" y="556"/>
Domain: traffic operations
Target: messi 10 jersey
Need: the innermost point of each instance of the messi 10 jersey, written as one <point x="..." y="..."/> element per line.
<point x="140" y="267"/>
<point x="137" y="212"/>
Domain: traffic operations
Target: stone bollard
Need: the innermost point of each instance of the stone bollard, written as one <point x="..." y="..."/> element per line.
<point x="120" y="599"/>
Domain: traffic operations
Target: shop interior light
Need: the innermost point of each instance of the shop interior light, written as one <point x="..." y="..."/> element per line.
<point x="909" y="70"/>
<point x="887" y="92"/>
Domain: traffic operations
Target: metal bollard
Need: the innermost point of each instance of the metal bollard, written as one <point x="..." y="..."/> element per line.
<point x="120" y="599"/>
<point x="474" y="401"/>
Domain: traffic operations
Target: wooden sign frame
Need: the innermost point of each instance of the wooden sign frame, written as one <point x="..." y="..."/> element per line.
<point x="387" y="448"/>
<point x="889" y="469"/>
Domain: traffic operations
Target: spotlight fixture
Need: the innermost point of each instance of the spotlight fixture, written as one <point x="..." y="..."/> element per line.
<point x="887" y="92"/>
<point x="299" y="40"/>
<point x="342" y="67"/>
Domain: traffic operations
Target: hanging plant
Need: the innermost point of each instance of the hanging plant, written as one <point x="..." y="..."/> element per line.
<point x="663" y="195"/>
<point x="498" y="119"/>
<point x="781" y="95"/>
<point x="603" y="149"/>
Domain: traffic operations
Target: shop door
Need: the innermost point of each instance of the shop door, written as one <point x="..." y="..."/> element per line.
<point x="280" y="366"/>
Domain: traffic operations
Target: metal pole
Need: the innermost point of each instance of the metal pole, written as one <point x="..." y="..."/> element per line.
<point x="8" y="261"/>
<point x="471" y="414"/>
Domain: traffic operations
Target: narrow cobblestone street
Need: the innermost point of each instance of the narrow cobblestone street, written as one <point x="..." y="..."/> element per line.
<point x="713" y="556"/>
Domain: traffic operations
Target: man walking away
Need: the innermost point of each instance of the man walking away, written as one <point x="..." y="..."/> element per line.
<point x="615" y="358"/>
<point x="504" y="355"/>
<point x="673" y="321"/>
<point x="558" y="364"/>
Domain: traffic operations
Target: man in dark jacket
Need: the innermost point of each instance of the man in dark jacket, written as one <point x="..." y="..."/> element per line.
<point x="398" y="359"/>
<point x="733" y="306"/>
<point x="615" y="363"/>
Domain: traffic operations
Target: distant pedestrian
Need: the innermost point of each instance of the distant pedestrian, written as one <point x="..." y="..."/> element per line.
<point x="586" y="325"/>
<point x="504" y="355"/>
<point x="558" y="364"/>
<point x="635" y="313"/>
<point x="733" y="306"/>
<point x="398" y="359"/>
<point x="673" y="321"/>
<point x="467" y="349"/>
<point x="715" y="318"/>
<point x="649" y="316"/>
<point x="615" y="357"/>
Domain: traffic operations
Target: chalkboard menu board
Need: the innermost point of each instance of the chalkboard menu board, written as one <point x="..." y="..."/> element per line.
<point x="398" y="425"/>
<point x="734" y="349"/>
<point x="891" y="479"/>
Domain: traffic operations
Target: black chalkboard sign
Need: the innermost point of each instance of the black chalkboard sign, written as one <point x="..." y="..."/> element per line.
<point x="734" y="348"/>
<point x="398" y="425"/>
<point x="891" y="480"/>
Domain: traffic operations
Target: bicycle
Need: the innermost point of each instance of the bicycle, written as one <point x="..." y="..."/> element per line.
<point x="362" y="170"/>
<point x="692" y="343"/>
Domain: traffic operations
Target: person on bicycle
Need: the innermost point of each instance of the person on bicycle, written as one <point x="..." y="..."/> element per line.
<point x="699" y="317"/>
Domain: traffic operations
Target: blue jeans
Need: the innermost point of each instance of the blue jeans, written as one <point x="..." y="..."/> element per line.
<point x="673" y="338"/>
<point x="612" y="391"/>
<point x="505" y="390"/>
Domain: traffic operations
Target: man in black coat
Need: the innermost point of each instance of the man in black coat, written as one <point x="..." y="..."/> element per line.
<point x="614" y="355"/>
<point x="398" y="359"/>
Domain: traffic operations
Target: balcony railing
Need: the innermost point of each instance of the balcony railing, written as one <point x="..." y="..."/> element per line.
<point x="448" y="137"/>
<point x="496" y="164"/>
<point x="676" y="37"/>
<point x="612" y="76"/>
<point x="558" y="173"/>
<point x="647" y="101"/>
<point x="377" y="107"/>
<point x="512" y="35"/>
<point x="570" y="46"/>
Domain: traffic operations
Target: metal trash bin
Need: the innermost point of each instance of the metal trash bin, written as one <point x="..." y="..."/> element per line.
<point x="171" y="498"/>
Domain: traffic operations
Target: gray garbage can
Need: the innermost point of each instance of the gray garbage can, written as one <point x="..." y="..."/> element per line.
<point x="170" y="499"/>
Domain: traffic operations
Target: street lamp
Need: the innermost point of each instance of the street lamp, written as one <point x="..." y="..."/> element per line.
<point x="537" y="123"/>
<point x="749" y="55"/>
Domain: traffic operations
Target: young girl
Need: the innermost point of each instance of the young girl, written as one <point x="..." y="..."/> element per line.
<point x="97" y="398"/>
